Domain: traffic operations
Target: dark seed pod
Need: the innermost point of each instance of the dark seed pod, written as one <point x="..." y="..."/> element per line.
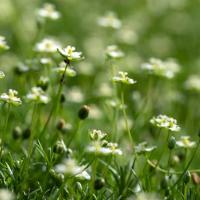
<point x="62" y="98"/>
<point x="16" y="133"/>
<point x="60" y="124"/>
<point x="26" y="133"/>
<point x="83" y="112"/>
<point x="164" y="183"/>
<point x="99" y="183"/>
<point x="186" y="177"/>
<point x="171" y="142"/>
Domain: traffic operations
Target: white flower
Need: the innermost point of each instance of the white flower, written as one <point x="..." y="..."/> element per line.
<point x="2" y="75"/>
<point x="114" y="52"/>
<point x="5" y="194"/>
<point x="47" y="45"/>
<point x="110" y="20"/>
<point x="69" y="167"/>
<point x="158" y="67"/>
<point x="142" y="148"/>
<point x="48" y="11"/>
<point x="193" y="83"/>
<point x="37" y="95"/>
<point x="185" y="142"/>
<point x="114" y="148"/>
<point x="97" y="148"/>
<point x="122" y="77"/>
<point x="3" y="44"/>
<point x="164" y="121"/>
<point x="11" y="97"/>
<point x="70" y="54"/>
<point x="97" y="135"/>
<point x="69" y="70"/>
<point x="46" y="61"/>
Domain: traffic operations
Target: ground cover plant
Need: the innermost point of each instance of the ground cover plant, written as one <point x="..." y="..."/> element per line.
<point x="99" y="99"/>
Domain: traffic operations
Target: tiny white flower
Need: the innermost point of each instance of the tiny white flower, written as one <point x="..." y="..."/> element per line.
<point x="2" y="75"/>
<point x="69" y="167"/>
<point x="185" y="142"/>
<point x="70" y="54"/>
<point x="11" y="97"/>
<point x="3" y="44"/>
<point x="193" y="83"/>
<point x="47" y="45"/>
<point x="122" y="77"/>
<point x="110" y="20"/>
<point x="37" y="95"/>
<point x="69" y="70"/>
<point x="48" y="11"/>
<point x="114" y="52"/>
<point x="142" y="148"/>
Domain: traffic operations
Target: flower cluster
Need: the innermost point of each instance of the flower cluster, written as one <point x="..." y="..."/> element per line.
<point x="11" y="97"/>
<point x="101" y="146"/>
<point x="114" y="52"/>
<point x="167" y="69"/>
<point x="70" y="54"/>
<point x="185" y="142"/>
<point x="37" y="95"/>
<point x="3" y="44"/>
<point x="69" y="167"/>
<point x="110" y="20"/>
<point x="193" y="83"/>
<point x="164" y="121"/>
<point x="49" y="12"/>
<point x="47" y="45"/>
<point x="122" y="77"/>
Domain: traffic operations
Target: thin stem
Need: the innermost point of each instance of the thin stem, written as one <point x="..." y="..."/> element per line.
<point x="55" y="104"/>
<point x="125" y="117"/>
<point x="6" y="122"/>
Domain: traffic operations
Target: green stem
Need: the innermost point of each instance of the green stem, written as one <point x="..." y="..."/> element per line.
<point x="56" y="101"/>
<point x="125" y="117"/>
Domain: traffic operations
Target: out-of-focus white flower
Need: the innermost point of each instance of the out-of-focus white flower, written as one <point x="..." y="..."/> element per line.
<point x="5" y="194"/>
<point x="193" y="83"/>
<point x="127" y="36"/>
<point x="69" y="167"/>
<point x="47" y="45"/>
<point x="11" y="97"/>
<point x="164" y="121"/>
<point x="142" y="148"/>
<point x="3" y="43"/>
<point x="48" y="11"/>
<point x="37" y="95"/>
<point x="75" y="95"/>
<point x="114" y="52"/>
<point x="146" y="196"/>
<point x="122" y="77"/>
<point x="70" y="54"/>
<point x="110" y="20"/>
<point x="185" y="142"/>
<point x="114" y="148"/>
<point x="167" y="68"/>
<point x="46" y="61"/>
<point x="2" y="75"/>
<point x="69" y="70"/>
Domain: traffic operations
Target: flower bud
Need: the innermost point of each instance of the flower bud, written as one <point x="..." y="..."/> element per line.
<point x="60" y="147"/>
<point x="186" y="177"/>
<point x="17" y="132"/>
<point x="83" y="112"/>
<point x="171" y="143"/>
<point x="62" y="98"/>
<point x="60" y="124"/>
<point x="26" y="133"/>
<point x="99" y="183"/>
